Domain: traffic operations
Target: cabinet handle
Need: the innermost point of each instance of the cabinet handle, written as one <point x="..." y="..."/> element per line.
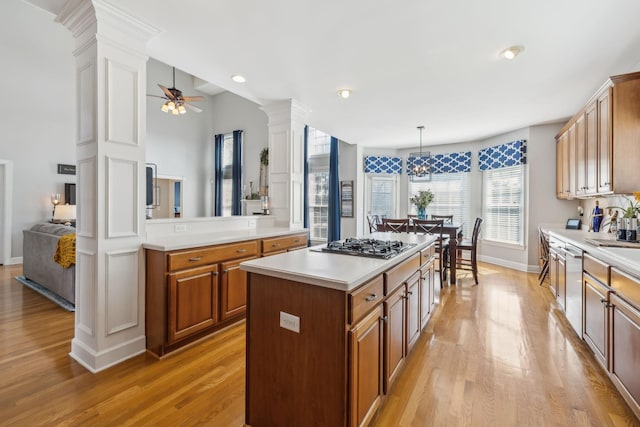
<point x="371" y="297"/>
<point x="275" y="245"/>
<point x="225" y="271"/>
<point x="215" y="273"/>
<point x="410" y="293"/>
<point x="296" y="241"/>
<point x="241" y="251"/>
<point x="384" y="318"/>
<point x="608" y="305"/>
<point x="195" y="259"/>
<point x="603" y="300"/>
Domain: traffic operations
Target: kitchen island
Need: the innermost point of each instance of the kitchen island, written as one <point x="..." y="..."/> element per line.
<point x="327" y="334"/>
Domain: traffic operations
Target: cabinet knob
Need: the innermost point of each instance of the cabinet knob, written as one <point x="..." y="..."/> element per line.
<point x="603" y="300"/>
<point x="195" y="259"/>
<point x="241" y="251"/>
<point x="384" y="318"/>
<point x="215" y="273"/>
<point x="296" y="241"/>
<point x="225" y="271"/>
<point x="371" y="297"/>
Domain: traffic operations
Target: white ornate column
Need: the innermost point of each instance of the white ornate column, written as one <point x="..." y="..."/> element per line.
<point x="110" y="138"/>
<point x="286" y="161"/>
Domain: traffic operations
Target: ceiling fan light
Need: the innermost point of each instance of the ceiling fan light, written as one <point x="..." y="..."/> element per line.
<point x="171" y="105"/>
<point x="164" y="107"/>
<point x="175" y="112"/>
<point x="182" y="110"/>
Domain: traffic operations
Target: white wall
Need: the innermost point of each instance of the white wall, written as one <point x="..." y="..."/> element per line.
<point x="348" y="172"/>
<point x="38" y="132"/>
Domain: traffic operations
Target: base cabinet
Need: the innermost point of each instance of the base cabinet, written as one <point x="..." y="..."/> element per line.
<point x="596" y="301"/>
<point x="366" y="346"/>
<point x="395" y="334"/>
<point x="193" y="302"/>
<point x="233" y="289"/>
<point x="625" y="350"/>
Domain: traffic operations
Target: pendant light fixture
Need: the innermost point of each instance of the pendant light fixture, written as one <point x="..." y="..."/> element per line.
<point x="420" y="163"/>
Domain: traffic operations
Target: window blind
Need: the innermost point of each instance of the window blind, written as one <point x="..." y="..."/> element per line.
<point x="451" y="197"/>
<point x="503" y="203"/>
<point x="383" y="196"/>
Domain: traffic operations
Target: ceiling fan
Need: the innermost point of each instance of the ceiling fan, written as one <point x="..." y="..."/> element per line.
<point x="175" y="101"/>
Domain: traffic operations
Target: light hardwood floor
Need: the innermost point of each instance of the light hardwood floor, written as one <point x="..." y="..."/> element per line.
<point x="497" y="354"/>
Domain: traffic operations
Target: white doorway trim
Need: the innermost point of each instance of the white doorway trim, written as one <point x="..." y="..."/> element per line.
<point x="6" y="168"/>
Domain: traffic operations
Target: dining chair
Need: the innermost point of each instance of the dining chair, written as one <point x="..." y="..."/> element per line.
<point x="395" y="225"/>
<point x="446" y="218"/>
<point x="430" y="226"/>
<point x="543" y="243"/>
<point x="373" y="227"/>
<point x="467" y="251"/>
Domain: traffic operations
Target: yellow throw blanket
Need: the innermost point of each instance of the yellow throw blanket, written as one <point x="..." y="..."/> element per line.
<point x="66" y="250"/>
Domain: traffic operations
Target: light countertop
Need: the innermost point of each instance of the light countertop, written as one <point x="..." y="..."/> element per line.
<point x="186" y="241"/>
<point x="625" y="259"/>
<point x="330" y="270"/>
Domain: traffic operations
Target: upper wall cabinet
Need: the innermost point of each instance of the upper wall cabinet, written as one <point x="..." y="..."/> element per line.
<point x="597" y="149"/>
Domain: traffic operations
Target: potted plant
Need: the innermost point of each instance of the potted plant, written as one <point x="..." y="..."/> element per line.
<point x="421" y="200"/>
<point x="629" y="225"/>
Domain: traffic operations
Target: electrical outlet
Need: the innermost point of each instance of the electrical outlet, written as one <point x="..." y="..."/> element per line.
<point x="290" y="322"/>
<point x="252" y="223"/>
<point x="180" y="228"/>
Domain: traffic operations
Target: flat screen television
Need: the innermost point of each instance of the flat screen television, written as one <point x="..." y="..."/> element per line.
<point x="149" y="186"/>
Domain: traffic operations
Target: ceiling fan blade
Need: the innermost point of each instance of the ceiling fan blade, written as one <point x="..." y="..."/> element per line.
<point x="193" y="107"/>
<point x="167" y="92"/>
<point x="157" y="96"/>
<point x="193" y="98"/>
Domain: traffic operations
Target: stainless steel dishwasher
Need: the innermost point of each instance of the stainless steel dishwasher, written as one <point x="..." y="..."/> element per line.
<point x="573" y="305"/>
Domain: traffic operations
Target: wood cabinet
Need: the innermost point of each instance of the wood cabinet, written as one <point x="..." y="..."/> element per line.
<point x="193" y="292"/>
<point x="350" y="347"/>
<point x="603" y="138"/>
<point x="427" y="291"/>
<point x="366" y="348"/>
<point x="192" y="302"/>
<point x="596" y="322"/>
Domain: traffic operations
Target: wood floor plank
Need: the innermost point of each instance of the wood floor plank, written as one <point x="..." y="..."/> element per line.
<point x="497" y="354"/>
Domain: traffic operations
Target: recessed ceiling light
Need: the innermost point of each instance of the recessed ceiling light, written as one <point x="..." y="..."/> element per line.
<point x="511" y="52"/>
<point x="238" y="78"/>
<point x="344" y="93"/>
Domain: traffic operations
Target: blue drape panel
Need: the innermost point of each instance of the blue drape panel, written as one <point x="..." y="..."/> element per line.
<point x="333" y="228"/>
<point x="236" y="174"/>
<point x="217" y="172"/>
<point x="305" y="194"/>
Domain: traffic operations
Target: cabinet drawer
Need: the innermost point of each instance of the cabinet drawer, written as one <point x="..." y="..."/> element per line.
<point x="626" y="286"/>
<point x="365" y="298"/>
<point x="596" y="269"/>
<point x="280" y="244"/>
<point x="401" y="272"/>
<point x="211" y="255"/>
<point x="426" y="254"/>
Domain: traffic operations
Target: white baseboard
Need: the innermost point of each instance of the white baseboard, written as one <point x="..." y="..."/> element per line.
<point x="510" y="264"/>
<point x="99" y="361"/>
<point x="14" y="260"/>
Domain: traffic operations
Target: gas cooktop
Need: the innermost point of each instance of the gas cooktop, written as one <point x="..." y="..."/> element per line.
<point x="372" y="248"/>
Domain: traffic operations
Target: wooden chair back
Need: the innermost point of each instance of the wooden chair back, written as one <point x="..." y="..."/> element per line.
<point x="395" y="225"/>
<point x="448" y="219"/>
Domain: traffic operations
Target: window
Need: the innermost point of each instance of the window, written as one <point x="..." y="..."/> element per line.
<point x="503" y="205"/>
<point x="227" y="182"/>
<point x="319" y="147"/>
<point x="382" y="196"/>
<point x="451" y="197"/>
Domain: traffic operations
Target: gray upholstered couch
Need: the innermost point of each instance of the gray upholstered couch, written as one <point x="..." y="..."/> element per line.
<point x="39" y="247"/>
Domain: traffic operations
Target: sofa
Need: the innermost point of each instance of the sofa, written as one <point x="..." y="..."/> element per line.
<point x="39" y="247"/>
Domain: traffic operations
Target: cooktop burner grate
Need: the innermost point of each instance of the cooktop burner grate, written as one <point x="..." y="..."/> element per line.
<point x="372" y="248"/>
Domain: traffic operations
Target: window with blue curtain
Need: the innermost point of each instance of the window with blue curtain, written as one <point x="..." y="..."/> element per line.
<point x="317" y="174"/>
<point x="334" y="192"/>
<point x="228" y="174"/>
<point x="503" y="178"/>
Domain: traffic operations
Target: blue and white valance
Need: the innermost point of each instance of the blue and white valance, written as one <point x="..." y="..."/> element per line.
<point x="383" y="165"/>
<point x="418" y="161"/>
<point x="451" y="162"/>
<point x="501" y="156"/>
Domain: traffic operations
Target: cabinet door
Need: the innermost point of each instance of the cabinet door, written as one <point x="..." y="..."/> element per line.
<point x="413" y="310"/>
<point x="604" y="142"/>
<point x="561" y="167"/>
<point x="562" y="282"/>
<point x="233" y="289"/>
<point x="595" y="318"/>
<point x="581" y="156"/>
<point x="427" y="297"/>
<point x="571" y="162"/>
<point x="395" y="334"/>
<point x="625" y="348"/>
<point x="591" y="146"/>
<point x="365" y="369"/>
<point x="193" y="301"/>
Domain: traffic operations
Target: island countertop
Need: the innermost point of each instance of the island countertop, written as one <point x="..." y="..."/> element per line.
<point x="191" y="240"/>
<point x="331" y="270"/>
